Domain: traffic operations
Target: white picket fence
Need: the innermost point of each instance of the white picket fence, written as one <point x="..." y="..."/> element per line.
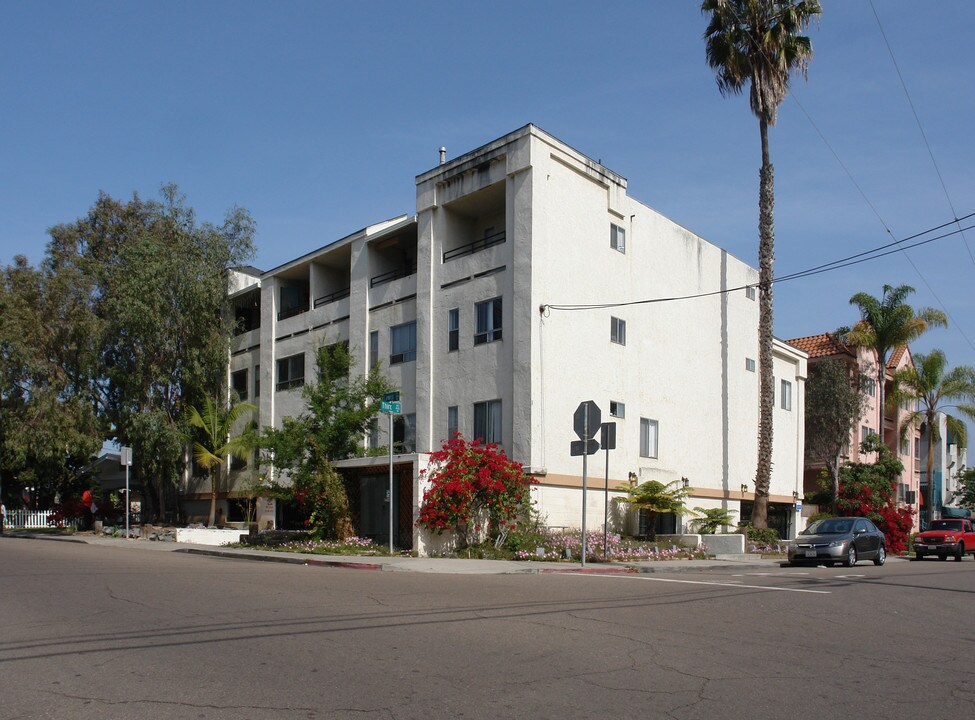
<point x="25" y="519"/>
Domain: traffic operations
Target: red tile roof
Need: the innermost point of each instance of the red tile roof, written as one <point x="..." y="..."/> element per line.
<point x="824" y="345"/>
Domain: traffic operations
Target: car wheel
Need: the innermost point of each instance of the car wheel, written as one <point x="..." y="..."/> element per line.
<point x="942" y="557"/>
<point x="881" y="556"/>
<point x="960" y="553"/>
<point x="918" y="556"/>
<point x="851" y="557"/>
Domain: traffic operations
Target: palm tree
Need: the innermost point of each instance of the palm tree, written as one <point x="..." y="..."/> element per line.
<point x="655" y="497"/>
<point x="759" y="43"/>
<point x="928" y="382"/>
<point x="886" y="324"/>
<point x="216" y="442"/>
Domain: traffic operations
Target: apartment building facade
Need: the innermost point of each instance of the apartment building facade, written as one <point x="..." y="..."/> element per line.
<point x="527" y="282"/>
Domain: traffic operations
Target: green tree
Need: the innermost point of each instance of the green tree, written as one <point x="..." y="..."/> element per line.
<point x="936" y="389"/>
<point x="710" y="519"/>
<point x="340" y="410"/>
<point x="888" y="323"/>
<point x="759" y="43"/>
<point x="655" y="498"/>
<point x="835" y="398"/>
<point x="222" y="434"/>
<point x="965" y="494"/>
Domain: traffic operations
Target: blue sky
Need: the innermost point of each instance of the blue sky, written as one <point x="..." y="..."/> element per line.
<point x="317" y="116"/>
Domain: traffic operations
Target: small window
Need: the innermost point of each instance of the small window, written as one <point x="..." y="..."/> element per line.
<point x="402" y="343"/>
<point x="750" y="292"/>
<point x="905" y="447"/>
<point x="453" y="329"/>
<point x="617" y="237"/>
<point x="453" y="422"/>
<point x="917" y="447"/>
<point x="374" y="348"/>
<point x="865" y="432"/>
<point x="617" y="409"/>
<point x="617" y="330"/>
<point x="872" y="388"/>
<point x="487" y="422"/>
<point x="404" y="433"/>
<point x="648" y="438"/>
<point x="374" y="434"/>
<point x="257" y="381"/>
<point x="750" y="364"/>
<point x="238" y="381"/>
<point x="487" y="321"/>
<point x="291" y="372"/>
<point x="786" y="392"/>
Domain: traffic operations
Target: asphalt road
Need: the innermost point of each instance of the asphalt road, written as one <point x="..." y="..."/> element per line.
<point x="105" y="632"/>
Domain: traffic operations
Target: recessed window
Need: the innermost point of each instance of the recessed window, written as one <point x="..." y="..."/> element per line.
<point x="487" y="321"/>
<point x="786" y="394"/>
<point x="617" y="330"/>
<point x="487" y="421"/>
<point x="404" y="433"/>
<point x="238" y="382"/>
<point x="291" y="372"/>
<point x="453" y="329"/>
<point x="257" y="381"/>
<point x="749" y="364"/>
<point x="617" y="409"/>
<point x="617" y="237"/>
<point x="750" y="292"/>
<point x="402" y="343"/>
<point x="865" y="432"/>
<point x="453" y="422"/>
<point x="648" y="438"/>
<point x="374" y="434"/>
<point x="872" y="388"/>
<point x="374" y="348"/>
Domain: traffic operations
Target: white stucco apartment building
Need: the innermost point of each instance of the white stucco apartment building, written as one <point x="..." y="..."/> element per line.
<point x="527" y="282"/>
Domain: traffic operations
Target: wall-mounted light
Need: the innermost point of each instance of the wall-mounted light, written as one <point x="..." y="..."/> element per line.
<point x="685" y="482"/>
<point x="744" y="488"/>
<point x="795" y="497"/>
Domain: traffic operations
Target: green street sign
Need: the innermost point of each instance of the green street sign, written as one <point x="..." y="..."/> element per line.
<point x="391" y="397"/>
<point x="391" y="407"/>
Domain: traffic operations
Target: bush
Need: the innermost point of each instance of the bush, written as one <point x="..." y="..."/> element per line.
<point x="760" y="536"/>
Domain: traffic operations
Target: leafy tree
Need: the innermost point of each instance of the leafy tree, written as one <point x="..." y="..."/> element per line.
<point x="867" y="489"/>
<point x="655" y="497"/>
<point x="474" y="487"/>
<point x="220" y="437"/>
<point x="759" y="43"/>
<point x="965" y="494"/>
<point x="340" y="409"/>
<point x="835" y="397"/>
<point x="710" y="519"/>
<point x="888" y="323"/>
<point x="935" y="387"/>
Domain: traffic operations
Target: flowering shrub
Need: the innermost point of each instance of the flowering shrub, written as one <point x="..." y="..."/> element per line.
<point x="473" y="487"/>
<point x="75" y="509"/>
<point x="555" y="543"/>
<point x="352" y="545"/>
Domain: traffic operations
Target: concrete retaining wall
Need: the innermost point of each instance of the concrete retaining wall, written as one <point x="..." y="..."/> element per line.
<point x="208" y="536"/>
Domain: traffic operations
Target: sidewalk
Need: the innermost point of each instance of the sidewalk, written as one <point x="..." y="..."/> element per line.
<point x="457" y="566"/>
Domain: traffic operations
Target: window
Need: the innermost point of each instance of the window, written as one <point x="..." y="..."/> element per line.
<point x="453" y="329"/>
<point x="648" y="438"/>
<point x="487" y="421"/>
<point x="238" y="382"/>
<point x="617" y="330"/>
<point x="750" y="364"/>
<point x="402" y="343"/>
<point x="291" y="372"/>
<point x="452" y="422"/>
<point x="750" y="292"/>
<point x="872" y="388"/>
<point x="617" y="409"/>
<point x="257" y="381"/>
<point x="617" y="237"/>
<point x="374" y="348"/>
<point x="905" y="447"/>
<point x="374" y="434"/>
<point x="866" y="432"/>
<point x="404" y="433"/>
<point x="487" y="321"/>
<point x="917" y="447"/>
<point x="786" y="392"/>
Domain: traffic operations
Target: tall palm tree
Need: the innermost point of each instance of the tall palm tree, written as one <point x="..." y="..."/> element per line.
<point x="936" y="390"/>
<point x="886" y="324"/>
<point x="217" y="442"/>
<point x="759" y="43"/>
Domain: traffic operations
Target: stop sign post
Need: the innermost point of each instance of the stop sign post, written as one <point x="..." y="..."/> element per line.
<point x="586" y="423"/>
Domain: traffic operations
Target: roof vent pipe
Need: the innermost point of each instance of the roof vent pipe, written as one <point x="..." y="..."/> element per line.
<point x="443" y="155"/>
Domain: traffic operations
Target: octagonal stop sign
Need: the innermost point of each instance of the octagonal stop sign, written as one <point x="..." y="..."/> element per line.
<point x="586" y="420"/>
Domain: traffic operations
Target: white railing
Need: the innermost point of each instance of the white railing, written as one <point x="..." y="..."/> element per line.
<point x="30" y="519"/>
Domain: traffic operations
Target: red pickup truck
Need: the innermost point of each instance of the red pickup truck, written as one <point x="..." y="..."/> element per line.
<point x="954" y="536"/>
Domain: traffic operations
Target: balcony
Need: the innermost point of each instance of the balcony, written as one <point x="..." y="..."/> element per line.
<point x="332" y="297"/>
<point x="476" y="246"/>
<point x="291" y="312"/>
<point x="388" y="277"/>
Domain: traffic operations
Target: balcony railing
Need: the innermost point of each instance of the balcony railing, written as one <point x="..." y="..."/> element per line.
<point x="476" y="246"/>
<point x="332" y="297"/>
<point x="291" y="312"/>
<point x="393" y="275"/>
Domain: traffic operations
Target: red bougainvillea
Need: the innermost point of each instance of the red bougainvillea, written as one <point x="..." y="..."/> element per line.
<point x="473" y="487"/>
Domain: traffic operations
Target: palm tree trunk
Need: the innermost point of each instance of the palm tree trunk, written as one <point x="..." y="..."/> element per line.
<point x="929" y="469"/>
<point x="214" y="486"/>
<point x="766" y="257"/>
<point x="881" y="397"/>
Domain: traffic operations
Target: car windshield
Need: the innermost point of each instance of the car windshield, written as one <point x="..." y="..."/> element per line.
<point x="945" y="525"/>
<point x="829" y="526"/>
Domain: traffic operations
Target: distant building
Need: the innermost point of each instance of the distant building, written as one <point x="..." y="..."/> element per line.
<point x="462" y="305"/>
